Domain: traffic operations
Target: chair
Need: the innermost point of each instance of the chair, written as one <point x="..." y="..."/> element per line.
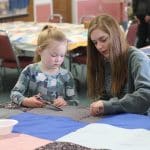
<point x="9" y="57"/>
<point x="86" y="20"/>
<point x="132" y="34"/>
<point x="55" y="18"/>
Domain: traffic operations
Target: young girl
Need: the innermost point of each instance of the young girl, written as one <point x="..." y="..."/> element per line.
<point x="45" y="79"/>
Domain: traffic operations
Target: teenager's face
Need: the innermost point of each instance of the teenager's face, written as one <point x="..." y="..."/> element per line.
<point x="52" y="57"/>
<point x="101" y="41"/>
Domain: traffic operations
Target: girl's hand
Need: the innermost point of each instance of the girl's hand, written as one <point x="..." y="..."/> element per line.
<point x="32" y="102"/>
<point x="97" y="108"/>
<point x="59" y="102"/>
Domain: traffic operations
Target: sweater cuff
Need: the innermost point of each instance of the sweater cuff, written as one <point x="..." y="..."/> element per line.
<point x="112" y="106"/>
<point x="107" y="107"/>
<point x="19" y="100"/>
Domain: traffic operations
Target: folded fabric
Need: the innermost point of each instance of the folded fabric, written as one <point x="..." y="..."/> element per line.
<point x="104" y="136"/>
<point x="45" y="126"/>
<point x="16" y="141"/>
<point x="129" y="121"/>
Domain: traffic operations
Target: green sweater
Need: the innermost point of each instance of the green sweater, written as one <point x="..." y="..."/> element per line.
<point x="136" y="99"/>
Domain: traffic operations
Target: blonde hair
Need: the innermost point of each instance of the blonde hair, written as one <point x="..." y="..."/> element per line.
<point x="118" y="57"/>
<point x="45" y="37"/>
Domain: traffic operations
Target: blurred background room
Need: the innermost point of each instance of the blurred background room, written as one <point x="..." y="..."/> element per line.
<point x="23" y="19"/>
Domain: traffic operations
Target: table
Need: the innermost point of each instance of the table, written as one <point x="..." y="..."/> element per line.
<point x="25" y="141"/>
<point x="24" y="34"/>
<point x="74" y="124"/>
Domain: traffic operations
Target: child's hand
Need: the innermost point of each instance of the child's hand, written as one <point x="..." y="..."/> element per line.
<point x="59" y="102"/>
<point x="32" y="102"/>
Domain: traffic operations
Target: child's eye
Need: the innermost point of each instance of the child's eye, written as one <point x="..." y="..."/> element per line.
<point x="53" y="55"/>
<point x="62" y="55"/>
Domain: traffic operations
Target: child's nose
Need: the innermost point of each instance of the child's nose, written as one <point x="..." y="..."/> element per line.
<point x="57" y="58"/>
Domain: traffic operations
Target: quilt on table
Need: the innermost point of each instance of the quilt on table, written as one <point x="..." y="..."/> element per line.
<point x="98" y="135"/>
<point x="45" y="126"/>
<point x="123" y="131"/>
<point x="130" y="121"/>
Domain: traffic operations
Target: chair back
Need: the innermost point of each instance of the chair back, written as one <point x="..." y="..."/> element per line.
<point x="86" y="20"/>
<point x="132" y="34"/>
<point x="6" y="50"/>
<point x="55" y="18"/>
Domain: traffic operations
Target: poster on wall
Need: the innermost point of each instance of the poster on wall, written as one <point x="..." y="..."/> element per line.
<point x="13" y="7"/>
<point x="18" y="6"/>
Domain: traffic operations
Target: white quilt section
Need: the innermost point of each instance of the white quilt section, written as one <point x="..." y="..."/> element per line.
<point x="106" y="136"/>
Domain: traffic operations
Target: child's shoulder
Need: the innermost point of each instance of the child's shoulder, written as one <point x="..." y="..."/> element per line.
<point x="65" y="74"/>
<point x="31" y="67"/>
<point x="64" y="71"/>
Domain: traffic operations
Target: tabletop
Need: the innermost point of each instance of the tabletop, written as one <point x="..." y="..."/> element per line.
<point x="74" y="124"/>
<point x="24" y="34"/>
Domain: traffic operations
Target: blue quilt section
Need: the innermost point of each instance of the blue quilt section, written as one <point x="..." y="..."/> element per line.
<point x="129" y="121"/>
<point x="45" y="126"/>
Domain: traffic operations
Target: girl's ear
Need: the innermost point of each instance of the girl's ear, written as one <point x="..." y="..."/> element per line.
<point x="39" y="51"/>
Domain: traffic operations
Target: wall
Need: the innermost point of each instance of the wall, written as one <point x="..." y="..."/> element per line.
<point x="42" y="10"/>
<point x="114" y="8"/>
<point x="87" y="7"/>
<point x="95" y="7"/>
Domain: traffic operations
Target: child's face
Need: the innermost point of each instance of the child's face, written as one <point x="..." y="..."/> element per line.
<point x="53" y="56"/>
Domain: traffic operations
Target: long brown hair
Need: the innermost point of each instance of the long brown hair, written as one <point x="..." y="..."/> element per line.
<point x="118" y="57"/>
<point x="45" y="38"/>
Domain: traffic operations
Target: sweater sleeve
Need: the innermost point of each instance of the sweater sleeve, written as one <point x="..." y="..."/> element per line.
<point x="17" y="93"/>
<point x="137" y="100"/>
<point x="70" y="90"/>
